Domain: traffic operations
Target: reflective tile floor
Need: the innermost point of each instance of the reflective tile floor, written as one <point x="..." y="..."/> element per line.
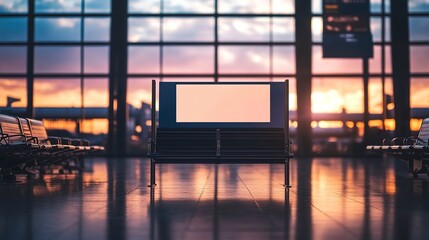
<point x="331" y="198"/>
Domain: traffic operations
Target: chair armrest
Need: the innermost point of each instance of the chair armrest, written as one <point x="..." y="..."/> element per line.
<point x="54" y="140"/>
<point x="15" y="135"/>
<point x="407" y="140"/>
<point x="32" y="139"/>
<point x="76" y="142"/>
<point x="85" y="142"/>
<point x="7" y="137"/>
<point x="410" y="140"/>
<point x="66" y="141"/>
<point x="4" y="137"/>
<point x="424" y="143"/>
<point x="386" y="141"/>
<point x="399" y="141"/>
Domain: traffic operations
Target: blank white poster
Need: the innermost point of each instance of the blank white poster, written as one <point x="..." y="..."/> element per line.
<point x="223" y="103"/>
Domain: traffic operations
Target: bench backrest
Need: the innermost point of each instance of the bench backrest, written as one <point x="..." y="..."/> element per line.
<point x="34" y="130"/>
<point x="223" y="105"/>
<point x="25" y="128"/>
<point x="189" y="117"/>
<point x="424" y="132"/>
<point x="38" y="131"/>
<point x="10" y="126"/>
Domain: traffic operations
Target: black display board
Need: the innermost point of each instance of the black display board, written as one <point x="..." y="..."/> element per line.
<point x="346" y="29"/>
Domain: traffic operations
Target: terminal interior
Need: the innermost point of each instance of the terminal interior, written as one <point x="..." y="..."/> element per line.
<point x="84" y="68"/>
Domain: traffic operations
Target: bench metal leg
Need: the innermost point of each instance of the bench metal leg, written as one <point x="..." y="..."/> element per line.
<point x="152" y="183"/>
<point x="412" y="169"/>
<point x="287" y="175"/>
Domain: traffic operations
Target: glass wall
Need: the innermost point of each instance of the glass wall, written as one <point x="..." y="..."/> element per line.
<point x="63" y="51"/>
<point x="419" y="52"/>
<point x="206" y="40"/>
<point x="70" y="42"/>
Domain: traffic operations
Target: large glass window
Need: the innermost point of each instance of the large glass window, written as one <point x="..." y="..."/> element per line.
<point x="97" y="29"/>
<point x="143" y="59"/>
<point x="419" y="50"/>
<point x="57" y="92"/>
<point x="419" y="28"/>
<point x="190" y="39"/>
<point x="418" y="6"/>
<point x="244" y="59"/>
<point x="197" y="29"/>
<point x="256" y="6"/>
<point x="244" y="29"/>
<point x="244" y="40"/>
<point x="419" y="92"/>
<point x="376" y="97"/>
<point x="334" y="65"/>
<point x="57" y="29"/>
<point x="58" y="6"/>
<point x="169" y="40"/>
<point x="14" y="88"/>
<point x="13" y="29"/>
<point x="70" y="44"/>
<point x="338" y="83"/>
<point x="13" y="6"/>
<point x="346" y="96"/>
<point x="188" y="60"/>
<point x="13" y="59"/>
<point x="143" y="29"/>
<point x="57" y="59"/>
<point x="419" y="59"/>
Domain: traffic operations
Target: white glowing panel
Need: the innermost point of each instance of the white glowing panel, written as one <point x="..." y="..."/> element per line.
<point x="223" y="103"/>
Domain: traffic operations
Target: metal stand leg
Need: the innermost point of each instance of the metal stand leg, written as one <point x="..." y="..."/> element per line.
<point x="152" y="173"/>
<point x="411" y="168"/>
<point x="287" y="175"/>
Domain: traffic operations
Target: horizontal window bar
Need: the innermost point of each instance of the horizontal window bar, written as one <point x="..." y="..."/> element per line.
<point x="210" y="43"/>
<point x="208" y="15"/>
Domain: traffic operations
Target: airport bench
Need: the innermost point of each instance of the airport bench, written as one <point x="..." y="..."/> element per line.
<point x="15" y="148"/>
<point x="196" y="125"/>
<point x="414" y="150"/>
<point x="26" y="144"/>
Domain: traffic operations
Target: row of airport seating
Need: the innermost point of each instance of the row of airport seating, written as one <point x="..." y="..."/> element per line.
<point x="25" y="146"/>
<point x="414" y="150"/>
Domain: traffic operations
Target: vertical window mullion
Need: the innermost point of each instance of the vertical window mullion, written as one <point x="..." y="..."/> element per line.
<point x="216" y="42"/>
<point x="161" y="40"/>
<point x="30" y="60"/>
<point x="82" y="64"/>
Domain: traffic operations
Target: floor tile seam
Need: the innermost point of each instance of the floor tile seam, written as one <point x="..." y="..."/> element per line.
<point x="132" y="190"/>
<point x="348" y="230"/>
<point x="354" y="200"/>
<point x="97" y="209"/>
<point x="349" y="198"/>
<point x="256" y="202"/>
<point x="198" y="201"/>
<point x="77" y="221"/>
<point x="65" y="230"/>
<point x="279" y="182"/>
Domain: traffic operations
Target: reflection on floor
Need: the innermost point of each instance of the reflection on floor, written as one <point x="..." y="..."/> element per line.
<point x="331" y="198"/>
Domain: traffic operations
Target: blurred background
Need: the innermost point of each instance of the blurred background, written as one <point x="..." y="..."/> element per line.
<point x="85" y="66"/>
